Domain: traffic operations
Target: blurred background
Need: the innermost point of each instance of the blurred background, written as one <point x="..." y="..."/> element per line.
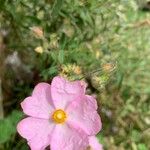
<point x="104" y="42"/>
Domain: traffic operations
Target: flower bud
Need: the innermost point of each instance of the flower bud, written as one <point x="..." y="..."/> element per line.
<point x="37" y="31"/>
<point x="39" y="49"/>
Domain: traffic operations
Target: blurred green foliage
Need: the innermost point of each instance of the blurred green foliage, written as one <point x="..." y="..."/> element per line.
<point x="103" y="42"/>
<point x="8" y="127"/>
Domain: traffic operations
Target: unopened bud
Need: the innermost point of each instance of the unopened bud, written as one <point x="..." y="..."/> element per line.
<point x="37" y="31"/>
<point x="39" y="49"/>
<point x="108" y="67"/>
<point x="77" y="70"/>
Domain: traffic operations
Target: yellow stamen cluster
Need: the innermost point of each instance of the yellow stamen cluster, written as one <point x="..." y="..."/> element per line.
<point x="59" y="116"/>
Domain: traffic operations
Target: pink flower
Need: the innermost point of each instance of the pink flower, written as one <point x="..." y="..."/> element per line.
<point x="94" y="144"/>
<point x="61" y="115"/>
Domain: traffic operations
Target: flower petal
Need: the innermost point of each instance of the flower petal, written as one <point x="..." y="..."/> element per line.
<point x="36" y="131"/>
<point x="92" y="102"/>
<point x="40" y="104"/>
<point x="66" y="137"/>
<point x="83" y="113"/>
<point x="63" y="91"/>
<point x="94" y="143"/>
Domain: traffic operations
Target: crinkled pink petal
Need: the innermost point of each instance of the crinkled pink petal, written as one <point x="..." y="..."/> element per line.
<point x="66" y="137"/>
<point x="94" y="143"/>
<point x="83" y="114"/>
<point x="63" y="91"/>
<point x="40" y="104"/>
<point x="36" y="131"/>
<point x="92" y="102"/>
<point x="84" y="85"/>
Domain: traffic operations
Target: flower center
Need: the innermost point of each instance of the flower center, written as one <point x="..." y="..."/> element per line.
<point x="59" y="116"/>
<point x="89" y="148"/>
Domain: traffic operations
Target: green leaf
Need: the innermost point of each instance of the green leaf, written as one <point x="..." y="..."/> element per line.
<point x="142" y="146"/>
<point x="135" y="135"/>
<point x="8" y="126"/>
<point x="61" y="56"/>
<point x="47" y="73"/>
<point x="56" y="8"/>
<point x="6" y="130"/>
<point x="100" y="137"/>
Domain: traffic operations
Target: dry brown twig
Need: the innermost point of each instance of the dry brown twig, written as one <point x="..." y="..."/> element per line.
<point x="142" y="23"/>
